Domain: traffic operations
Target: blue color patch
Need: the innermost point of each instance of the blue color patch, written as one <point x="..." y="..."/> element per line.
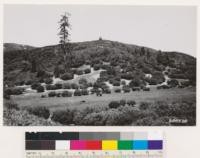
<point x="140" y="145"/>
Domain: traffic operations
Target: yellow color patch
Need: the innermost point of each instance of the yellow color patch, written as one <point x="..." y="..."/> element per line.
<point x="109" y="145"/>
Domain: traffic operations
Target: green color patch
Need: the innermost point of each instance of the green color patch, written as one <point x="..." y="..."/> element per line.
<point x="125" y="145"/>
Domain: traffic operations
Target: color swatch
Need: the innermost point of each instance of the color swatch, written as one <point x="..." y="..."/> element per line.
<point x="94" y="141"/>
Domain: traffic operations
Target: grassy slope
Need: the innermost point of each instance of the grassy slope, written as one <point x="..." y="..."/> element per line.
<point x="168" y="95"/>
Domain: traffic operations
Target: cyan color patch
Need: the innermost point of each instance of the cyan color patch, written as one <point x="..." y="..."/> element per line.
<point x="140" y="145"/>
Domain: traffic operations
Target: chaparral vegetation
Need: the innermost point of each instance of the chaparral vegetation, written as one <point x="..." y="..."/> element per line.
<point x="98" y="82"/>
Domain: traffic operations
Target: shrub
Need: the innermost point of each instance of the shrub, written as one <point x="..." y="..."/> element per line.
<point x="40" y="111"/>
<point x="40" y="89"/>
<point x="85" y="86"/>
<point x="131" y="102"/>
<point x="122" y="102"/>
<point x="82" y="81"/>
<point x="41" y="80"/>
<point x="124" y="115"/>
<point x="74" y="86"/>
<point x="118" y="90"/>
<point x="127" y="76"/>
<point x="158" y="77"/>
<point x="67" y="76"/>
<point x="116" y="83"/>
<point x="161" y="108"/>
<point x="11" y="105"/>
<point x="20" y="83"/>
<point x="146" y="121"/>
<point x="107" y="91"/>
<point x="163" y="87"/>
<point x="151" y="81"/>
<point x="6" y="96"/>
<point x="146" y="89"/>
<point x="97" y="67"/>
<point x="66" y="86"/>
<point x="93" y="90"/>
<point x="113" y="104"/>
<point x="29" y="82"/>
<point x="13" y="91"/>
<point x="66" y="94"/>
<point x="79" y="72"/>
<point x="43" y="96"/>
<point x="135" y="83"/>
<point x="58" y="86"/>
<point x="64" y="117"/>
<point x="173" y="83"/>
<point x="50" y="87"/>
<point x="35" y="85"/>
<point x="144" y="105"/>
<point x="185" y="83"/>
<point x="126" y="89"/>
<point x="87" y="71"/>
<point x="77" y="93"/>
<point x="123" y="83"/>
<point x="52" y="94"/>
<point x="146" y="70"/>
<point x="85" y="92"/>
<point x="48" y="81"/>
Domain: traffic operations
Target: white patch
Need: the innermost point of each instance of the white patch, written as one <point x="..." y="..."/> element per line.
<point x="148" y="75"/>
<point x="109" y="85"/>
<point x="56" y="80"/>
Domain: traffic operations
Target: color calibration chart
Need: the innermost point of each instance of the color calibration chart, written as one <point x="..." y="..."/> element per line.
<point x="94" y="145"/>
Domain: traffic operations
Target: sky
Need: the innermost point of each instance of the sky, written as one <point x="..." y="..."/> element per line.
<point x="167" y="28"/>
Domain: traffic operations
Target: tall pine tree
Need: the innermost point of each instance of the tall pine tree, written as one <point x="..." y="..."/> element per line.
<point x="64" y="40"/>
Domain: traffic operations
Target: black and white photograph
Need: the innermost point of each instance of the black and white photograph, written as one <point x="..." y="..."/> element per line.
<point x="99" y="65"/>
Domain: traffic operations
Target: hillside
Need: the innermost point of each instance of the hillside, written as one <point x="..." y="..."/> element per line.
<point x="25" y="63"/>
<point x="16" y="47"/>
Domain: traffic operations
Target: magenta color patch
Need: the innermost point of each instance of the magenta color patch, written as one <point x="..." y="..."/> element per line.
<point x="77" y="145"/>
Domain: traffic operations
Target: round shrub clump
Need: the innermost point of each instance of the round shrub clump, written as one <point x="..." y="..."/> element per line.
<point x="126" y="89"/>
<point x="66" y="94"/>
<point x="11" y="105"/>
<point x="29" y="82"/>
<point x="58" y="86"/>
<point x="35" y="85"/>
<point x="87" y="71"/>
<point x="144" y="105"/>
<point x="82" y="81"/>
<point x="50" y="87"/>
<point x="114" y="104"/>
<point x="48" y="81"/>
<point x="97" y="67"/>
<point x="40" y="111"/>
<point x="66" y="86"/>
<point x="77" y="93"/>
<point x="74" y="86"/>
<point x="107" y="91"/>
<point x="52" y="94"/>
<point x="67" y="76"/>
<point x="118" y="90"/>
<point x="85" y="92"/>
<point x="64" y="117"/>
<point x="131" y="102"/>
<point x="13" y="91"/>
<point x="116" y="83"/>
<point x="40" y="89"/>
<point x="79" y="72"/>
